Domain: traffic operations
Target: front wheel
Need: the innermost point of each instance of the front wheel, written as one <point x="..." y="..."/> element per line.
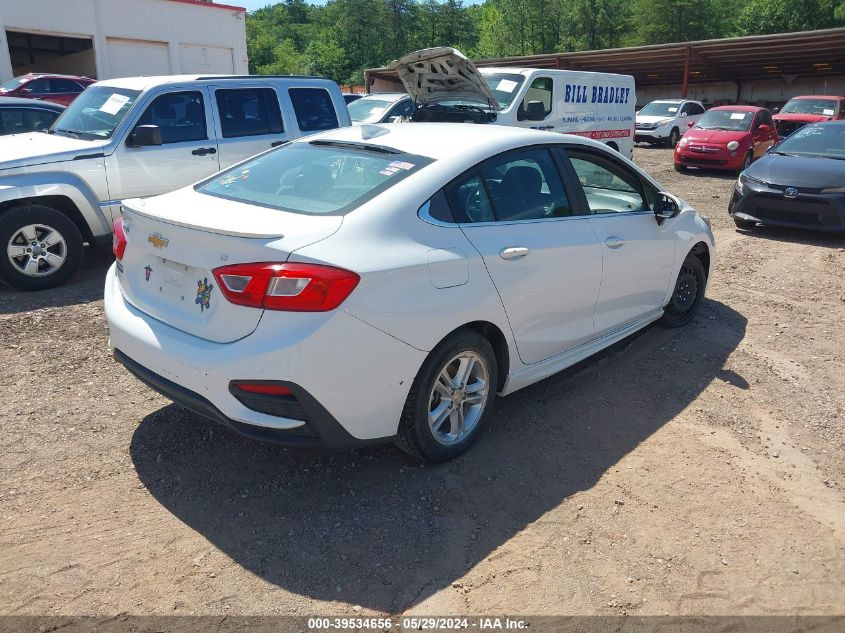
<point x="674" y="137"/>
<point x="43" y="247"/>
<point x="450" y="399"/>
<point x="746" y="163"/>
<point x="687" y="295"/>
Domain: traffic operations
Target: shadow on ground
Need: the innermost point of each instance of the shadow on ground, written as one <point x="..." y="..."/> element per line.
<point x="376" y="528"/>
<point x="85" y="286"/>
<point x="797" y="236"/>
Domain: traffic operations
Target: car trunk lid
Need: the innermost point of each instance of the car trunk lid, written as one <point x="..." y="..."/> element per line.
<point x="173" y="246"/>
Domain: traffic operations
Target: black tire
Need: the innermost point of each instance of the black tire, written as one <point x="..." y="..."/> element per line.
<point x="415" y="435"/>
<point x="680" y="168"/>
<point x="674" y="137"/>
<point x="745" y="225"/>
<point x="70" y="248"/>
<point x="749" y="158"/>
<point x="687" y="295"/>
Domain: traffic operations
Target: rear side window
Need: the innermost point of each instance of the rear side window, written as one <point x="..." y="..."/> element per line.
<point x="248" y="112"/>
<point x="38" y="86"/>
<point x="180" y="115"/>
<point x="313" y="108"/>
<point x="314" y="178"/>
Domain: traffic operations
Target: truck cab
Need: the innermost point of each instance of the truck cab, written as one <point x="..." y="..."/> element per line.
<point x="136" y="137"/>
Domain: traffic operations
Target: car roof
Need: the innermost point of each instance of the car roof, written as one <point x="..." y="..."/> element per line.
<point x="30" y="103"/>
<point x="817" y="97"/>
<point x="669" y="100"/>
<point x="143" y="83"/>
<point x="53" y="76"/>
<point x="740" y="108"/>
<point x="439" y="140"/>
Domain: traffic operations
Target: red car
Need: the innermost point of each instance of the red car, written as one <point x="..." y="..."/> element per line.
<point x="799" y="111"/>
<point x="727" y="137"/>
<point x="61" y="89"/>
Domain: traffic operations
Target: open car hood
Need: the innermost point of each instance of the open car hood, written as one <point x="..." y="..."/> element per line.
<point x="440" y="74"/>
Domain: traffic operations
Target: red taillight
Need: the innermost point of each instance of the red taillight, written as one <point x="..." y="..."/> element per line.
<point x="118" y="241"/>
<point x="264" y="388"/>
<point x="292" y="287"/>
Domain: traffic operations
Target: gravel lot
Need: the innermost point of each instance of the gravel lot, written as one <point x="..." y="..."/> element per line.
<point x="693" y="471"/>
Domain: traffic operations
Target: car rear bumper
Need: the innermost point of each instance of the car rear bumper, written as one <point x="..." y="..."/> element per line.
<point x="350" y="379"/>
<point x="806" y="211"/>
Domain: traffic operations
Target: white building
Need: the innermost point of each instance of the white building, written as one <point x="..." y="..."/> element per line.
<point x="104" y="39"/>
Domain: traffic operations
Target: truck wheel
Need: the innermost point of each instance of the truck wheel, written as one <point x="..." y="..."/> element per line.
<point x="41" y="247"/>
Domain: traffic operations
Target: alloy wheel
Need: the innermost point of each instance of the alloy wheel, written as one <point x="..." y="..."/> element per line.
<point x="458" y="398"/>
<point x="37" y="250"/>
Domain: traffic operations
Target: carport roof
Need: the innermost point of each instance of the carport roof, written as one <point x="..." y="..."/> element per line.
<point x="786" y="55"/>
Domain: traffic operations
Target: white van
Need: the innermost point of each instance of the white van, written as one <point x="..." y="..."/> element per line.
<point x="446" y="86"/>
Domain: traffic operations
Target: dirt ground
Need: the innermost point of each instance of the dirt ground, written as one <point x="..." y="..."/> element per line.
<point x="695" y="471"/>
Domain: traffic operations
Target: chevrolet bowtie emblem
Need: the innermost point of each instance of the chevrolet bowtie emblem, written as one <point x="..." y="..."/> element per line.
<point x="158" y="241"/>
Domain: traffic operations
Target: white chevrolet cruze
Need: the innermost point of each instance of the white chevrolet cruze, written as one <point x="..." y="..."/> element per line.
<point x="385" y="282"/>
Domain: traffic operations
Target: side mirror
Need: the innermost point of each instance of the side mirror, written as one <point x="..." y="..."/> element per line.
<point x="763" y="129"/>
<point x="666" y="207"/>
<point x="775" y="110"/>
<point x="25" y="91"/>
<point x="684" y="115"/>
<point x="534" y="111"/>
<point x="144" y="135"/>
<point x="691" y="123"/>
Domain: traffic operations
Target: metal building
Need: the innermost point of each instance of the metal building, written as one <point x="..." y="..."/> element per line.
<point x="103" y="39"/>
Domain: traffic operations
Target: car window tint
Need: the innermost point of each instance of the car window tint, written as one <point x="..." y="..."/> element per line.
<point x="525" y="186"/>
<point x="180" y="115"/>
<point x="18" y="120"/>
<point x="64" y="86"/>
<point x="540" y="90"/>
<point x="313" y="108"/>
<point x="248" y="112"/>
<point x="608" y="186"/>
<point x="469" y="202"/>
<point x="403" y="109"/>
<point x="38" y="86"/>
<point x="696" y="109"/>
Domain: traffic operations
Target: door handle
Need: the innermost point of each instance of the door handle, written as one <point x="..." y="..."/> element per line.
<point x="513" y="252"/>
<point x="614" y="242"/>
<point x="202" y="151"/>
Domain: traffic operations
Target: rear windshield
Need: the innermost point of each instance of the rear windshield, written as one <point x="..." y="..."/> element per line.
<point x="319" y="177"/>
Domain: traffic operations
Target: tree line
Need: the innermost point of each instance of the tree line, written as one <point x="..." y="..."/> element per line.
<point x="342" y="38"/>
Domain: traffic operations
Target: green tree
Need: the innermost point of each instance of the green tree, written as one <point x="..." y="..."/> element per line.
<point x="784" y="16"/>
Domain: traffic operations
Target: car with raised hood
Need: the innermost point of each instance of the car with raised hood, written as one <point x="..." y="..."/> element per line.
<point x="61" y="89"/>
<point x="138" y="136"/>
<point x="799" y="111"/>
<point x="447" y="87"/>
<point x="800" y="183"/>
<point x="381" y="107"/>
<point x="371" y="284"/>
<point x="726" y="137"/>
<point x="665" y="121"/>
<point x="18" y="116"/>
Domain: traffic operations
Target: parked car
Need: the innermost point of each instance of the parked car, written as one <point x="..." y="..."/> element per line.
<point x="664" y="122"/>
<point x="799" y="111"/>
<point x="349" y="97"/>
<point x="796" y="184"/>
<point x="138" y="136"/>
<point x="279" y="296"/>
<point x="448" y="88"/>
<point x="25" y="115"/>
<point x="727" y="137"/>
<point x="62" y="89"/>
<point x="384" y="107"/>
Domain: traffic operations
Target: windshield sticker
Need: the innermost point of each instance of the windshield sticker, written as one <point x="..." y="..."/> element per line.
<point x="400" y="164"/>
<point x="204" y="294"/>
<point x="114" y="103"/>
<point x="506" y="85"/>
<point x="737" y="116"/>
<point x="672" y="109"/>
<point x="827" y="112"/>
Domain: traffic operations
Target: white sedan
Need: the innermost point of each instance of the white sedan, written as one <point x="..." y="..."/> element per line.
<point x="385" y="282"/>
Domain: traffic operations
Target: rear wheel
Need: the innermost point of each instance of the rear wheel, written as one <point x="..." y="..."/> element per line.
<point x="42" y="247"/>
<point x="450" y="399"/>
<point x="688" y="294"/>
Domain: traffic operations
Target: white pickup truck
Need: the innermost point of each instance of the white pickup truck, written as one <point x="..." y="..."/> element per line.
<point x="133" y="137"/>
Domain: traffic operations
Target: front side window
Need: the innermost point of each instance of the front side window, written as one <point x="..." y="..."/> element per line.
<point x="179" y="115"/>
<point x="320" y="177"/>
<point x="313" y="108"/>
<point x="65" y="86"/>
<point x="539" y="94"/>
<point x="608" y="187"/>
<point x="248" y="112"/>
<point x="96" y="112"/>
